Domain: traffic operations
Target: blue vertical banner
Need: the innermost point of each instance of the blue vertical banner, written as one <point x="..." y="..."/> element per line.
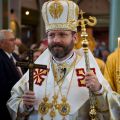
<point x="114" y="24"/>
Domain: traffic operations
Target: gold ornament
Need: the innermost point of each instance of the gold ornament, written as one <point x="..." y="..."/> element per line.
<point x="92" y="112"/>
<point x="64" y="107"/>
<point x="56" y="9"/>
<point x="53" y="106"/>
<point x="52" y="113"/>
<point x="44" y="107"/>
<point x="91" y="22"/>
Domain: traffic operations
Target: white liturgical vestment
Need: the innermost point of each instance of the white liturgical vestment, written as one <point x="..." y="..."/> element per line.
<point x="108" y="102"/>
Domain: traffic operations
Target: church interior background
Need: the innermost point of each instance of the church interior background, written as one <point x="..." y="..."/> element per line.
<point x="24" y="18"/>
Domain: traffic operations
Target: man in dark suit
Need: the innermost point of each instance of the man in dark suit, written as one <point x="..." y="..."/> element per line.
<point x="9" y="73"/>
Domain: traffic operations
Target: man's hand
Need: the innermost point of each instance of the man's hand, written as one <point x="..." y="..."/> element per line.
<point x="92" y="82"/>
<point x="29" y="99"/>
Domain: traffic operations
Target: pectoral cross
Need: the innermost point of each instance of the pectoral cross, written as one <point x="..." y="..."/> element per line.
<point x="31" y="66"/>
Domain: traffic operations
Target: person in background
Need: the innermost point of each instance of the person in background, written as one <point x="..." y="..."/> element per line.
<point x="36" y="54"/>
<point x="61" y="92"/>
<point x="9" y="73"/>
<point x="18" y="43"/>
<point x="39" y="50"/>
<point x="105" y="52"/>
<point x="43" y="45"/>
<point x="112" y="70"/>
<point x="101" y="50"/>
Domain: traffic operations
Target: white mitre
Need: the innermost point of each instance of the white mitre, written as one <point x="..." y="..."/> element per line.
<point x="60" y="14"/>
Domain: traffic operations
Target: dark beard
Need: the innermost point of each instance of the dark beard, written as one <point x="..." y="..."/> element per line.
<point x="59" y="50"/>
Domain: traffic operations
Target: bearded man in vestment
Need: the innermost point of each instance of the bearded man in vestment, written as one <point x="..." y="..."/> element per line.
<point x="61" y="92"/>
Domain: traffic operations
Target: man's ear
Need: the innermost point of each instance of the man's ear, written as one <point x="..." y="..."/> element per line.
<point x="75" y="38"/>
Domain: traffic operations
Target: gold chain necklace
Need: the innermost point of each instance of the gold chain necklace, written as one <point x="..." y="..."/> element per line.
<point x="44" y="105"/>
<point x="63" y="107"/>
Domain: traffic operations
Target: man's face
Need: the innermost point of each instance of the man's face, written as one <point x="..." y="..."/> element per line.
<point x="8" y="44"/>
<point x="60" y="43"/>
